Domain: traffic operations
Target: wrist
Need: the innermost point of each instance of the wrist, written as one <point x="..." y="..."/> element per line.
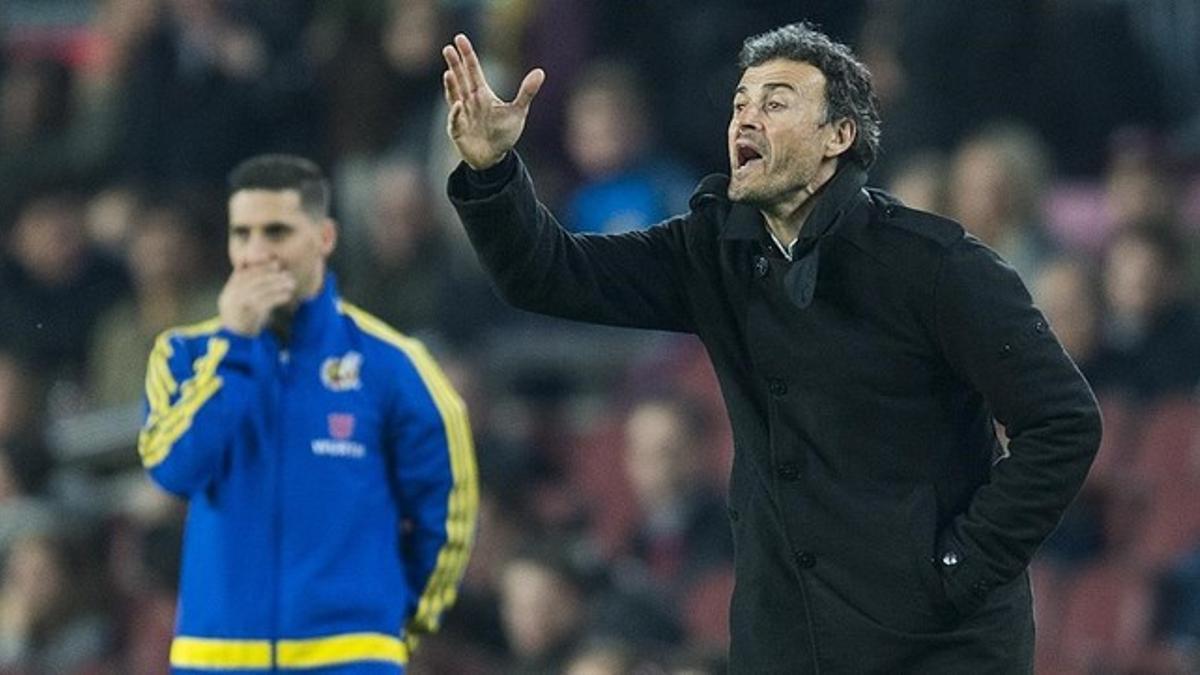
<point x="242" y="325"/>
<point x="491" y="179"/>
<point x="240" y="330"/>
<point x="485" y="165"/>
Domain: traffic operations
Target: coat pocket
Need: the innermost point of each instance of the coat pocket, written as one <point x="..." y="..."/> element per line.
<point x="923" y="529"/>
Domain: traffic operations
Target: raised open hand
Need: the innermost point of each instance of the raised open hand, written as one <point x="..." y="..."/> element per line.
<point x="482" y="126"/>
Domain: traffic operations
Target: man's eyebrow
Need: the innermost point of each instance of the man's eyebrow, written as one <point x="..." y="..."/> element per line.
<point x="770" y="86"/>
<point x="779" y="85"/>
<point x="274" y="224"/>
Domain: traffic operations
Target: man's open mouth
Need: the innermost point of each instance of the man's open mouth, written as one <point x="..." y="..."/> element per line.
<point x="747" y="154"/>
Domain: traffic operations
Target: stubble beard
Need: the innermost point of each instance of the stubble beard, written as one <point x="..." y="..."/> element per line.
<point x="744" y="191"/>
<point x="771" y="189"/>
<point x="760" y="194"/>
<point x="748" y="196"/>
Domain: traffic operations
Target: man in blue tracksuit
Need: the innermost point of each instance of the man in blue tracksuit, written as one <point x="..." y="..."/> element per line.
<point x="327" y="462"/>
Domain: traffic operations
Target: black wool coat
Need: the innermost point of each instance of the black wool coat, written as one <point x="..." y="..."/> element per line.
<point x="879" y="525"/>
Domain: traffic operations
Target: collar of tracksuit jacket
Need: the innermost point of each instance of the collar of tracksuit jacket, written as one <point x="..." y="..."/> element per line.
<point x="308" y="325"/>
<point x="833" y="201"/>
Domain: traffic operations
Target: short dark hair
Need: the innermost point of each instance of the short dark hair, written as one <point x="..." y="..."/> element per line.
<point x="284" y="172"/>
<point x="848" y="90"/>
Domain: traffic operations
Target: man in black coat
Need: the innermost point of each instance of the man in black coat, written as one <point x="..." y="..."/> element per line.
<point x="863" y="350"/>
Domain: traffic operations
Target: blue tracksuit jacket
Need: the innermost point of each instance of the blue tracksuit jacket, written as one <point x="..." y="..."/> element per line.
<point x="331" y="485"/>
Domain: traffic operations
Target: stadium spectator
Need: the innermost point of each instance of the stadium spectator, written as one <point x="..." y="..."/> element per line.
<point x="996" y="182"/>
<point x="920" y="182"/>
<point x="165" y="261"/>
<point x="48" y="621"/>
<point x="1151" y="329"/>
<point x="603" y="658"/>
<point x="1139" y="189"/>
<point x="628" y="182"/>
<point x="402" y="268"/>
<point x="50" y="129"/>
<point x="682" y="525"/>
<point x="197" y="97"/>
<point x="378" y="69"/>
<point x="1068" y="292"/>
<point x="543" y="606"/>
<point x="54" y="287"/>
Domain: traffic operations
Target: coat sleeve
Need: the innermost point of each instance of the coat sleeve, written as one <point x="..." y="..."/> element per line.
<point x="436" y="483"/>
<point x="195" y="402"/>
<point x="631" y="279"/>
<point x="1000" y="343"/>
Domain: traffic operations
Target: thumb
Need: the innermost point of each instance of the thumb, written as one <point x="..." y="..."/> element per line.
<point x="529" y="88"/>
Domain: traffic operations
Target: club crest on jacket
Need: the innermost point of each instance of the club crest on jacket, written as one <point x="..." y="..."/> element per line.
<point x="340" y="373"/>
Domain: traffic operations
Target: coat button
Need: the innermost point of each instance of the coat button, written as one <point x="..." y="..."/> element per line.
<point x="733" y="514"/>
<point x="761" y="266"/>
<point x="777" y="387"/>
<point x="950" y="558"/>
<point x="788" y="471"/>
<point x="805" y="559"/>
<point x="1040" y="326"/>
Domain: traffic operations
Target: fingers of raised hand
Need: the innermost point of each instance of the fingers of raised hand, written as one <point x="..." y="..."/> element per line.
<point x="456" y="68"/>
<point x="450" y="88"/>
<point x="474" y="70"/>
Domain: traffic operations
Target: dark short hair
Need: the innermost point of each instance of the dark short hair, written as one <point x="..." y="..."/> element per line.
<point x="848" y="90"/>
<point x="284" y="172"/>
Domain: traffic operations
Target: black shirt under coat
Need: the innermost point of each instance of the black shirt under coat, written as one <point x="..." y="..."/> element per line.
<point x="861" y="381"/>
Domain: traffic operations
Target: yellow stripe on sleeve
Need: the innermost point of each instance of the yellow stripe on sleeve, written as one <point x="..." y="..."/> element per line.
<point x="166" y="424"/>
<point x="160" y="384"/>
<point x="442" y="588"/>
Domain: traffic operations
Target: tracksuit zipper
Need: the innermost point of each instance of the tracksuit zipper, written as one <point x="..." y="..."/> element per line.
<point x="280" y="389"/>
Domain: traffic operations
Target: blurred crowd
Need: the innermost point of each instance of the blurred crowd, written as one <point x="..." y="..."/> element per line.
<point x="1064" y="133"/>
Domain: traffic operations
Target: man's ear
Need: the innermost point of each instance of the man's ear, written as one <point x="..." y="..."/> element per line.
<point x="844" y="133"/>
<point x="329" y="235"/>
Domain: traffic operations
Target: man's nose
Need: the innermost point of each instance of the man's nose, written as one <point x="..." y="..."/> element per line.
<point x="257" y="252"/>
<point x="747" y="117"/>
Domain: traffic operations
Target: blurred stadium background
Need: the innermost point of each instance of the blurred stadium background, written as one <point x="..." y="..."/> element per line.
<point x="1065" y="133"/>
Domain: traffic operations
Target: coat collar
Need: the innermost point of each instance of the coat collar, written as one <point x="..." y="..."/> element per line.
<point x="835" y="202"/>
